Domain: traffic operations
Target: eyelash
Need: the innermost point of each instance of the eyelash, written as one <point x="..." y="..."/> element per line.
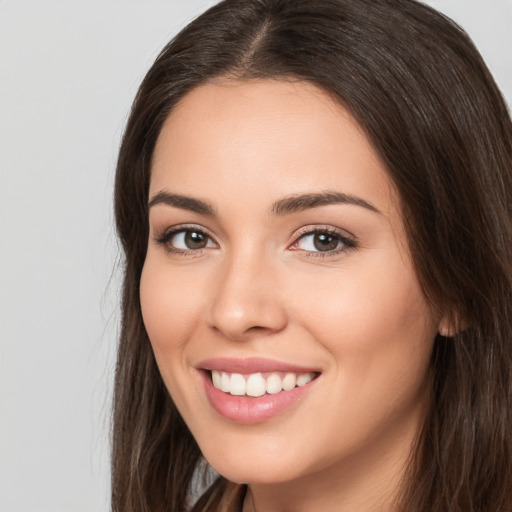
<point x="348" y="243"/>
<point x="165" y="238"/>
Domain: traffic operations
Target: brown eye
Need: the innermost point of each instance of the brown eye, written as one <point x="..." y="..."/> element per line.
<point x="320" y="242"/>
<point x="186" y="240"/>
<point x="325" y="242"/>
<point x="195" y="240"/>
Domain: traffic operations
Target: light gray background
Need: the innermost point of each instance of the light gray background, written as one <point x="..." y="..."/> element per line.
<point x="68" y="73"/>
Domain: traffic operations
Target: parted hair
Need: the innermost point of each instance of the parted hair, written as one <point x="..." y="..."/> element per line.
<point x="424" y="97"/>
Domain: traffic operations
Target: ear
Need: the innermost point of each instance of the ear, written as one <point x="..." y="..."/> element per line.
<point x="446" y="328"/>
<point x="450" y="325"/>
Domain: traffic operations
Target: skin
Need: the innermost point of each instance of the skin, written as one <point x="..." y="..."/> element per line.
<point x="260" y="288"/>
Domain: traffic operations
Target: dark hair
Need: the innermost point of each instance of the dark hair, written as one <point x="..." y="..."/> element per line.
<point x="422" y="93"/>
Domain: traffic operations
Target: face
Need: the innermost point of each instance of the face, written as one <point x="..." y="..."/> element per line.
<point x="277" y="267"/>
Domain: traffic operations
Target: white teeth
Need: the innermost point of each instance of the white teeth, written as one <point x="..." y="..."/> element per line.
<point x="256" y="385"/>
<point x="224" y="382"/>
<point x="274" y="384"/>
<point x="304" y="378"/>
<point x="290" y="381"/>
<point x="217" y="379"/>
<point x="237" y="384"/>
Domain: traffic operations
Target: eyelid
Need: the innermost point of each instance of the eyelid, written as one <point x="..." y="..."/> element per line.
<point x="163" y="236"/>
<point x="322" y="228"/>
<point x="348" y="240"/>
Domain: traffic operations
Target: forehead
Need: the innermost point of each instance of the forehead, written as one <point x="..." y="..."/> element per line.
<point x="266" y="137"/>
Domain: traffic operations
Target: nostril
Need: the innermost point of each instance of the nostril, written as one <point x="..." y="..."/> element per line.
<point x="239" y="318"/>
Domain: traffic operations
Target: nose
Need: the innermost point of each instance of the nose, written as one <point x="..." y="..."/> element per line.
<point x="246" y="300"/>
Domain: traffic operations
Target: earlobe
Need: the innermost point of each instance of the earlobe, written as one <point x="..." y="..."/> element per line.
<point x="450" y="326"/>
<point x="446" y="330"/>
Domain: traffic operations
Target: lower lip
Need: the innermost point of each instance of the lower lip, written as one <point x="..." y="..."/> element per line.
<point x="248" y="410"/>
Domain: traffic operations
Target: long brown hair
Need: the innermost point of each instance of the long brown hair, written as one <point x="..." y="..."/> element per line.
<point x="421" y="91"/>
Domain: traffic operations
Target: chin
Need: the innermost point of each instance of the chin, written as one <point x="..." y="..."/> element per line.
<point x="253" y="473"/>
<point x="256" y="466"/>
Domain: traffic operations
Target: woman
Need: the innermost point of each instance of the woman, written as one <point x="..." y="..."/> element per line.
<point x="313" y="197"/>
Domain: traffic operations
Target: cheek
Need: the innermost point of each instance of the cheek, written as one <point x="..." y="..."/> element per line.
<point x="358" y="302"/>
<point x="375" y="324"/>
<point x="171" y="310"/>
<point x="379" y="333"/>
<point x="169" y="314"/>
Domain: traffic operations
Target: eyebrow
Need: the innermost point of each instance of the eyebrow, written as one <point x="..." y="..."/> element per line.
<point x="281" y="207"/>
<point x="183" y="202"/>
<point x="301" y="202"/>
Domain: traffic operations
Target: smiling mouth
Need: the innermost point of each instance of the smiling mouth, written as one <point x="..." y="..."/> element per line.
<point x="259" y="384"/>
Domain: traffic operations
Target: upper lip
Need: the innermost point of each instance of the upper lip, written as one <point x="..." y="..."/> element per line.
<point x="252" y="365"/>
